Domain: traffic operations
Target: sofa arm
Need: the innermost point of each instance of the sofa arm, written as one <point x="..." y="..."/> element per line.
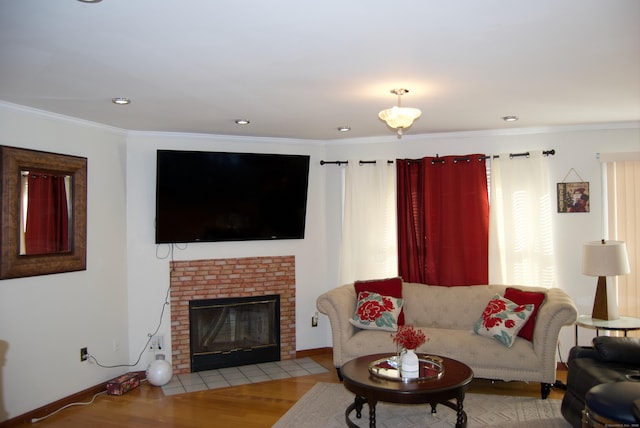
<point x="557" y="311"/>
<point x="339" y="304"/>
<point x="624" y="350"/>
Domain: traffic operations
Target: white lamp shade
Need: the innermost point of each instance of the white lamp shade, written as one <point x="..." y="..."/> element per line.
<point x="605" y="258"/>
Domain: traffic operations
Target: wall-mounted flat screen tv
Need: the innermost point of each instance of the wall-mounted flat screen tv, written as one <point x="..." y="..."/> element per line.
<point x="220" y="196"/>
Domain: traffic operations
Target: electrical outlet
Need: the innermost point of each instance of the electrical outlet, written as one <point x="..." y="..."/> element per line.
<point x="84" y="354"/>
<point x="156" y="343"/>
<point x="314" y="320"/>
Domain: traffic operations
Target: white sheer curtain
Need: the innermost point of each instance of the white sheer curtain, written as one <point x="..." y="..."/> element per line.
<point x="369" y="243"/>
<point x="520" y="230"/>
<point x="621" y="222"/>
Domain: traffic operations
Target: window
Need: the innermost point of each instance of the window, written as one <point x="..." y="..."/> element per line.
<point x="622" y="210"/>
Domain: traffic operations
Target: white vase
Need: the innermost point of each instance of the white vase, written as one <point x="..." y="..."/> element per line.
<point x="409" y="364"/>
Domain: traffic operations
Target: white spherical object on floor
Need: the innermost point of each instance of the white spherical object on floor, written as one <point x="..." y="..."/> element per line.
<point x="159" y="371"/>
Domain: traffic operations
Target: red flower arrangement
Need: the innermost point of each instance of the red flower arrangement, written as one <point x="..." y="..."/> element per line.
<point x="408" y="337"/>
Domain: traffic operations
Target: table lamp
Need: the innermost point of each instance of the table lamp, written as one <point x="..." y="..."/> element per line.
<point x="604" y="259"/>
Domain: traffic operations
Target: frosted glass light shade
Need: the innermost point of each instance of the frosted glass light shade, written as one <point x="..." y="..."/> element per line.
<point x="400" y="117"/>
<point x="605" y="258"/>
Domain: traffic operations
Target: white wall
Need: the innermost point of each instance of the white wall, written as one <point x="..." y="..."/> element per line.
<point x="148" y="275"/>
<point x="575" y="147"/>
<point x="45" y="320"/>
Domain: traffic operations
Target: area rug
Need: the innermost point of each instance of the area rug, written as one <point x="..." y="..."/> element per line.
<point x="324" y="405"/>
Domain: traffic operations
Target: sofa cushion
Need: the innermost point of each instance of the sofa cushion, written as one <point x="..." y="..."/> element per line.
<point x="386" y="287"/>
<point x="523" y="298"/>
<point x="618" y="349"/>
<point x="376" y="312"/>
<point x="433" y="305"/>
<point x="502" y="319"/>
<point x="476" y="351"/>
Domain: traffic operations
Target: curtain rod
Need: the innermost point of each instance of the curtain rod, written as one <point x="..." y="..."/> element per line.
<point x="346" y="162"/>
<point x="511" y="156"/>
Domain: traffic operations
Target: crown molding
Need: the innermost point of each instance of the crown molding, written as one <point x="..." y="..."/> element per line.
<point x="290" y="141"/>
<point x="222" y="138"/>
<point x="61" y="117"/>
<point x="491" y="133"/>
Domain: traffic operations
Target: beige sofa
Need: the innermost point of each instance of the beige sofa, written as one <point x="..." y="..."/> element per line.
<point x="447" y="315"/>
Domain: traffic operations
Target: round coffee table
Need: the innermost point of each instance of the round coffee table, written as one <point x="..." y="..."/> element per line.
<point x="370" y="389"/>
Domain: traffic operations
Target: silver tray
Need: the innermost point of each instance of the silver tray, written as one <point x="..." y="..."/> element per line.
<point x="430" y="367"/>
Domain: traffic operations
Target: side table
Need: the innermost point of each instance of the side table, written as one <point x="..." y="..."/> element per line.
<point x="624" y="324"/>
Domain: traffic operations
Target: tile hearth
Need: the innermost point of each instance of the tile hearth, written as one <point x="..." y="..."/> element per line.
<point x="232" y="376"/>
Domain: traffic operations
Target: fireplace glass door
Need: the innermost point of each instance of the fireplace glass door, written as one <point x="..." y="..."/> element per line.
<point x="234" y="332"/>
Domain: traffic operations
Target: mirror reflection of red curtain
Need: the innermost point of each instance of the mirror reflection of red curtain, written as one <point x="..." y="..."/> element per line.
<point x="443" y="220"/>
<point x="47" y="223"/>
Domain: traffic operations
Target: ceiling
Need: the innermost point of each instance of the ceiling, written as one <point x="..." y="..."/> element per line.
<point x="300" y="69"/>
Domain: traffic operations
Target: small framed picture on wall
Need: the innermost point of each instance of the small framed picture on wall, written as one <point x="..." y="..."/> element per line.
<point x="573" y="197"/>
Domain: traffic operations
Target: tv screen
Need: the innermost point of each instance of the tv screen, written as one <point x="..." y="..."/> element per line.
<point x="219" y="196"/>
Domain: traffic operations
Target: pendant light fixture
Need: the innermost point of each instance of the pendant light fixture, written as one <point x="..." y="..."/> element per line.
<point x="398" y="117"/>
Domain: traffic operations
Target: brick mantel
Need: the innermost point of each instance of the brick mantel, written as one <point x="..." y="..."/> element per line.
<point x="236" y="277"/>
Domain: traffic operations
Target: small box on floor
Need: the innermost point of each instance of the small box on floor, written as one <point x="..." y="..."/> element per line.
<point x="123" y="384"/>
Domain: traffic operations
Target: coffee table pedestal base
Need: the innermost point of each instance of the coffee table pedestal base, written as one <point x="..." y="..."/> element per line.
<point x="358" y="403"/>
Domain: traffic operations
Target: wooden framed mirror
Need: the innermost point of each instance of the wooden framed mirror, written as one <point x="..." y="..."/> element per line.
<point x="43" y="212"/>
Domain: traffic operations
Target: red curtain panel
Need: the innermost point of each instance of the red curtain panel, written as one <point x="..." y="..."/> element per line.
<point x="443" y="220"/>
<point x="47" y="223"/>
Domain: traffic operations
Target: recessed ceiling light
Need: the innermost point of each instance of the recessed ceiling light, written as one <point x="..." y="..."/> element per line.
<point x="242" y="121"/>
<point x="90" y="1"/>
<point x="344" y="128"/>
<point x="510" y="118"/>
<point x="121" y="101"/>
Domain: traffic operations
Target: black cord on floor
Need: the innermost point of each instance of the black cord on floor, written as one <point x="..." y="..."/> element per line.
<point x="558" y="383"/>
<point x="560" y="358"/>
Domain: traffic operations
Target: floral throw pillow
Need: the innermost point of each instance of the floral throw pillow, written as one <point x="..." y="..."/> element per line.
<point x="376" y="312"/>
<point x="502" y="319"/>
<point x="387" y="287"/>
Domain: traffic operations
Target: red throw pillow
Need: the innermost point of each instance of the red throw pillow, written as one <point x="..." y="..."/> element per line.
<point x="524" y="298"/>
<point x="386" y="287"/>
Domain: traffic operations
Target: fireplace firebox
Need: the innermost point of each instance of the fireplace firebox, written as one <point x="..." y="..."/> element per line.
<point x="234" y="331"/>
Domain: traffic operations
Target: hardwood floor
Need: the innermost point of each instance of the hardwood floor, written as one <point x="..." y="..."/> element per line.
<point x="254" y="405"/>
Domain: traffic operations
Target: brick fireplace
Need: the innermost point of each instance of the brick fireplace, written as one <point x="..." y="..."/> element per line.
<point x="226" y="278"/>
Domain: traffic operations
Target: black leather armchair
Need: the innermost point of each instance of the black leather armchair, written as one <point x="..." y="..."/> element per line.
<point x="610" y="359"/>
